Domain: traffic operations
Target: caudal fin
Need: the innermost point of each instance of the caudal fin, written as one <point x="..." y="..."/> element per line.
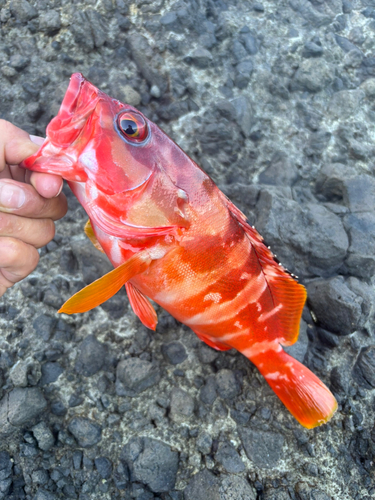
<point x="305" y="396"/>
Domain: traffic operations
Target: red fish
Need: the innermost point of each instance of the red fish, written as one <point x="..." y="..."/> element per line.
<point x="175" y="238"/>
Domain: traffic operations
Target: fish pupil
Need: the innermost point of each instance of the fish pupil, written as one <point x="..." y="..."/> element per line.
<point x="129" y="127"/>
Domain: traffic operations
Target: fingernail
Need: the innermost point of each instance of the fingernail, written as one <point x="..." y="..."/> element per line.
<point x="36" y="139"/>
<point x="11" y="196"/>
<point x="61" y="187"/>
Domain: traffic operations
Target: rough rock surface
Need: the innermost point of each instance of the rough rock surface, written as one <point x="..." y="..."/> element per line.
<point x="276" y="101"/>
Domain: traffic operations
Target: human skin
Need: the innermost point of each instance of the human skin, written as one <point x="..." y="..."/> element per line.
<point x="30" y="202"/>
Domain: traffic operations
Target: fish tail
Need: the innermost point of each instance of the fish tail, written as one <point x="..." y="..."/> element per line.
<point x="305" y="396"/>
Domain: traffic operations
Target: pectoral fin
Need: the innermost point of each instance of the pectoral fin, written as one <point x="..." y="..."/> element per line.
<point x="105" y="287"/>
<point x="91" y="236"/>
<point x="141" y="306"/>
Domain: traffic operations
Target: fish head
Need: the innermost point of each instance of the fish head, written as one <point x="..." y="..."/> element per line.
<point x="118" y="163"/>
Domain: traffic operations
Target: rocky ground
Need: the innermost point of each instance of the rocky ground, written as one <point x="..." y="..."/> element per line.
<point x="276" y="101"/>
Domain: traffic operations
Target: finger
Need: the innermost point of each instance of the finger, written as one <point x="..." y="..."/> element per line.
<point x="22" y="199"/>
<point x="15" y="144"/>
<point x="36" y="232"/>
<point x="17" y="173"/>
<point x="47" y="185"/>
<point x="17" y="260"/>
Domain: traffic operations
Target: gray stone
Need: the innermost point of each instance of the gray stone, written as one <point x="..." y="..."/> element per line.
<point x="135" y="375"/>
<point x="43" y="494"/>
<point x="25" y="404"/>
<point x="104" y="467"/>
<point x="227" y="384"/>
<point x="236" y="488"/>
<point x="364" y="368"/>
<point x="51" y="371"/>
<point x="361" y="255"/>
<point x="44" y="436"/>
<point x="25" y="372"/>
<point x="93" y="264"/>
<point x="203" y="486"/>
<point x="336" y="307"/>
<point x="22" y="10"/>
<point x="171" y="22"/>
<point x="312" y="75"/>
<point x="92" y="356"/>
<point x="174" y="352"/>
<point x="50" y="22"/>
<point x="263" y="448"/>
<point x="229" y="458"/>
<point x="200" y="57"/>
<point x="208" y="392"/>
<point x="280" y="171"/>
<point x="345" y="103"/>
<point x="244" y="114"/>
<point x="204" y="443"/>
<point x="86" y="431"/>
<point x="243" y="73"/>
<point x="359" y="193"/>
<point x="44" y="326"/>
<point x="182" y="405"/>
<point x="151" y="462"/>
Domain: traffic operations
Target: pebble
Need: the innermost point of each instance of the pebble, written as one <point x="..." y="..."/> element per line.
<point x="263" y="448"/>
<point x="312" y="75"/>
<point x="135" y="375"/>
<point x="44" y="326"/>
<point x="203" y="486"/>
<point x="20" y="407"/>
<point x="200" y="57"/>
<point x="151" y="462"/>
<point x="92" y="356"/>
<point x="229" y="458"/>
<point x="236" y="488"/>
<point x="104" y="467"/>
<point x="50" y="22"/>
<point x="22" y="10"/>
<point x="86" y="431"/>
<point x="44" y="436"/>
<point x="51" y="371"/>
<point x="182" y="405"/>
<point x="174" y="352"/>
<point x="227" y="384"/>
<point x="364" y="368"/>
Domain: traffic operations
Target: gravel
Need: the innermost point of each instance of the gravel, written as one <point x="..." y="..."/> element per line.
<point x="275" y="100"/>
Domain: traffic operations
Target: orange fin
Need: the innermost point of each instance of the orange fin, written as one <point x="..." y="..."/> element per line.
<point x="285" y="292"/>
<point x="212" y="343"/>
<point x="91" y="236"/>
<point x="305" y="396"/>
<point x="141" y="306"/>
<point x="105" y="287"/>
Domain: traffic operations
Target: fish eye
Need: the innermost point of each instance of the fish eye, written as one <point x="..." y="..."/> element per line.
<point x="132" y="126"/>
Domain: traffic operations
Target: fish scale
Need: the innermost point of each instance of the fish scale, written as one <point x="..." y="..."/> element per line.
<point x="174" y="237"/>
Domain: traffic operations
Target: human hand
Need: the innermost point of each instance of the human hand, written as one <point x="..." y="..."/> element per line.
<point x="29" y="203"/>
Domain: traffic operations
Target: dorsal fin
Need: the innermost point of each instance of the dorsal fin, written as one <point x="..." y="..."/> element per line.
<point x="285" y="291"/>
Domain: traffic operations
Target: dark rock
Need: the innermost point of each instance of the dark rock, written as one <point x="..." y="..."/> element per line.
<point x="171" y="22"/>
<point x="174" y="352"/>
<point x="263" y="448"/>
<point x="238" y="50"/>
<point x="50" y="22"/>
<point x="250" y="43"/>
<point x="6" y="466"/>
<point x="19" y="62"/>
<point x="312" y="49"/>
<point x="68" y="262"/>
<point x="43" y="494"/>
<point x="327" y="338"/>
<point x="229" y="458"/>
<point x="206" y="354"/>
<point x="202" y="486"/>
<point x="298" y="349"/>
<point x="312" y="75"/>
<point x="200" y="57"/>
<point x="134" y="375"/>
<point x="51" y="371"/>
<point x="227" y="384"/>
<point x="344" y="43"/>
<point x="340" y="380"/>
<point x="243" y="73"/>
<point x="317" y="143"/>
<point x="93" y="263"/>
<point x="21" y="406"/>
<point x="244" y="114"/>
<point x="364" y="368"/>
<point x="359" y="193"/>
<point x="236" y="488"/>
<point x="58" y="408"/>
<point x="92" y="356"/>
<point x="44" y="436"/>
<point x="151" y="462"/>
<point x="182" y="405"/>
<point x="104" y="467"/>
<point x="208" y="392"/>
<point x="44" y="326"/>
<point x="280" y="172"/>
<point x="22" y="10"/>
<point x="204" y="443"/>
<point x="336" y="307"/>
<point x="81" y="31"/>
<point x="86" y="431"/>
<point x="361" y="229"/>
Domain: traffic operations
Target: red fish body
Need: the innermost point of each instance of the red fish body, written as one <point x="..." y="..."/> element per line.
<point x="175" y="238"/>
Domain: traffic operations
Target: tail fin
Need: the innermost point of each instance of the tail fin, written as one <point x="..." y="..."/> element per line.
<point x="305" y="396"/>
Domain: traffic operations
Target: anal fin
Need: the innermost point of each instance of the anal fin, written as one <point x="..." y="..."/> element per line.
<point x="105" y="287"/>
<point x="142" y="306"/>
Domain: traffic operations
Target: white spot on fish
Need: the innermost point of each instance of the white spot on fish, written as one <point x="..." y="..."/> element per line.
<point x="238" y="324"/>
<point x="265" y="316"/>
<point x="89" y="160"/>
<point x="116" y="256"/>
<point x="157" y="252"/>
<point x="215" y="297"/>
<point x="276" y="376"/>
<point x="261" y="348"/>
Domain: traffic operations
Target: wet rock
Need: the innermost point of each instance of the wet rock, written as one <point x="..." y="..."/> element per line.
<point x="151" y="462"/>
<point x="182" y="405"/>
<point x="174" y="352"/>
<point x="92" y="356"/>
<point x="336" y="307"/>
<point x="134" y="375"/>
<point x="22" y="10"/>
<point x="50" y="22"/>
<point x="364" y="368"/>
<point x="44" y="436"/>
<point x="228" y="457"/>
<point x="312" y="75"/>
<point x="104" y="467"/>
<point x="86" y="431"/>
<point x="200" y="57"/>
<point x="51" y="371"/>
<point x="361" y="254"/>
<point x="202" y="486"/>
<point x="262" y="447"/>
<point x="236" y="488"/>
<point x="227" y="384"/>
